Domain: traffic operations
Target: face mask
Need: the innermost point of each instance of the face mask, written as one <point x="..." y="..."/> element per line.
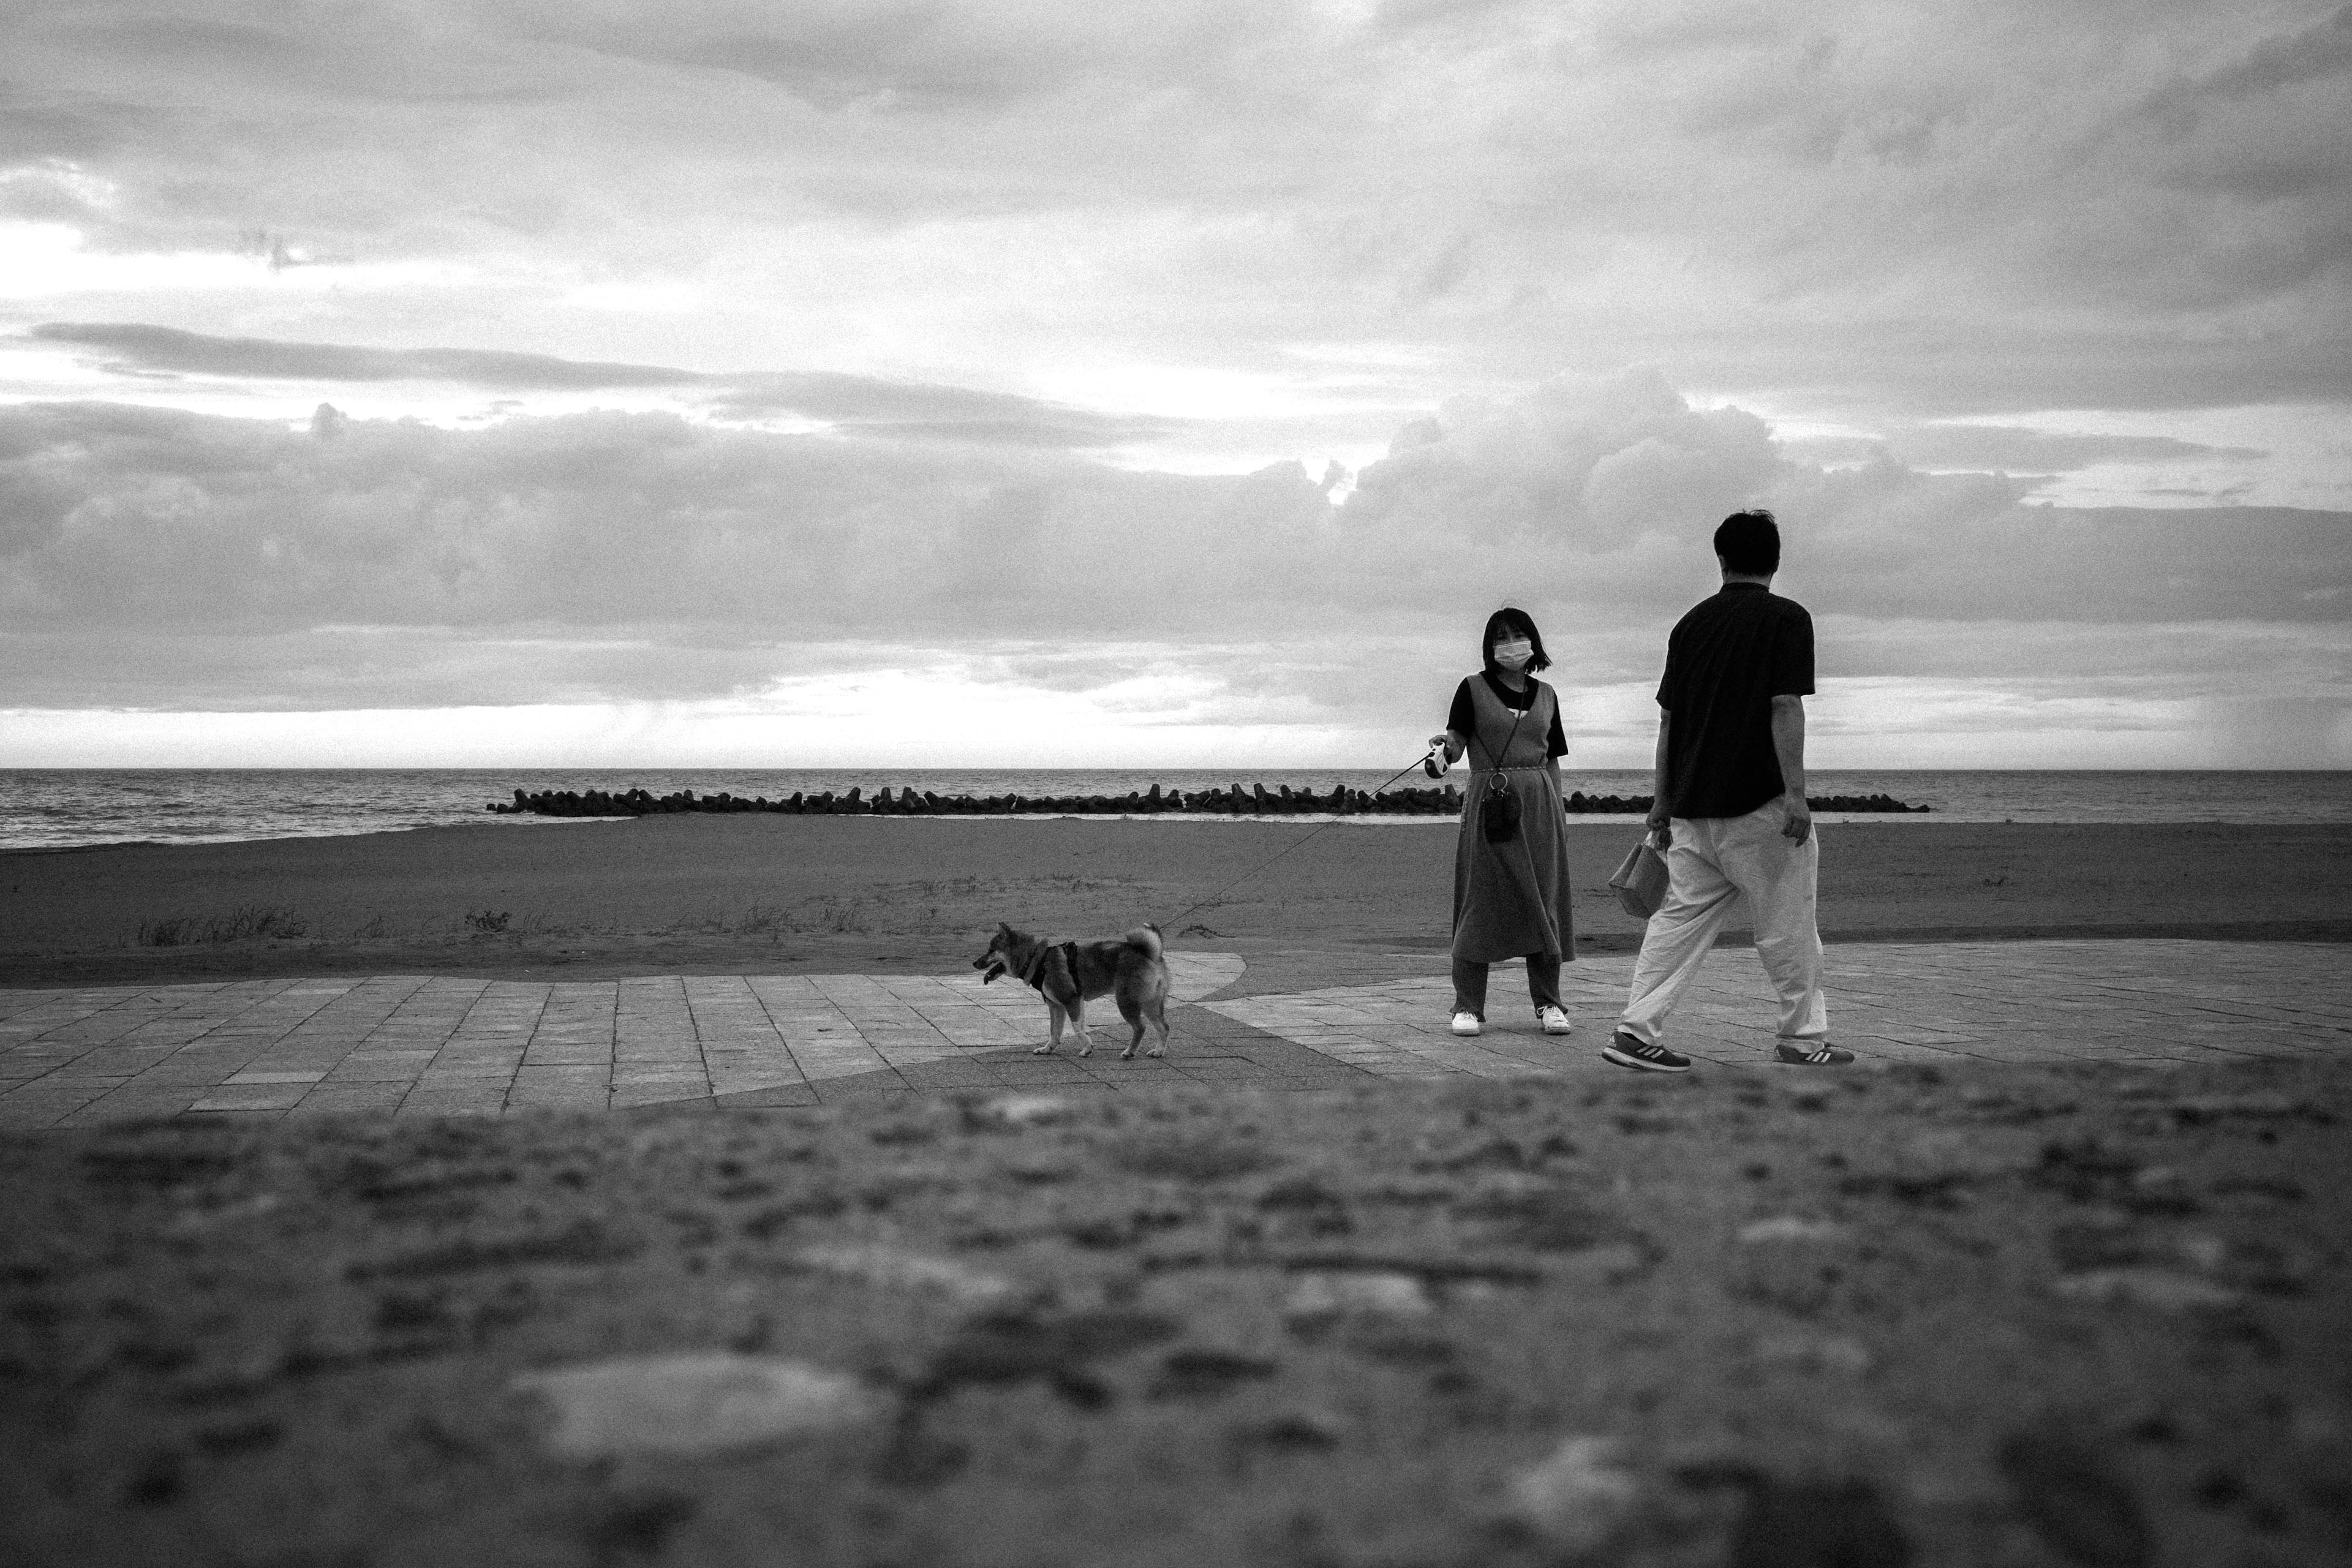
<point x="1514" y="654"/>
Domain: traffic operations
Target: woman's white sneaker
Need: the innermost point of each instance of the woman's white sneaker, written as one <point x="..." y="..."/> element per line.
<point x="1555" y="1021"/>
<point x="1465" y="1023"/>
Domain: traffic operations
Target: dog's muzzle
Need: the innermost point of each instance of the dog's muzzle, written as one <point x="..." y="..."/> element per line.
<point x="991" y="962"/>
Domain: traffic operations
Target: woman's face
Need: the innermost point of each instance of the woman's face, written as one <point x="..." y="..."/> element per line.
<point x="1511" y="648"/>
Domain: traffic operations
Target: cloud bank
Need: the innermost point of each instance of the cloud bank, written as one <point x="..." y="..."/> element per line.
<point x="161" y="559"/>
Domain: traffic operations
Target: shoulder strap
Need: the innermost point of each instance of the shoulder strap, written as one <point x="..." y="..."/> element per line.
<point x="1503" y="756"/>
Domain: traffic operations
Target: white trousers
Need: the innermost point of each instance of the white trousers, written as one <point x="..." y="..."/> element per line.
<point x="1713" y="862"/>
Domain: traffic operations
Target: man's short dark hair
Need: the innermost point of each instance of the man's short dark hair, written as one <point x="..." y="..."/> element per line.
<point x="1507" y="622"/>
<point x="1750" y="543"/>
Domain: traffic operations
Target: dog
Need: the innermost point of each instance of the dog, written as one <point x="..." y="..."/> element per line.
<point x="1132" y="970"/>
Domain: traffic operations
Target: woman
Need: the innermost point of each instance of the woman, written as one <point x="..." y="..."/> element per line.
<point x="1510" y="877"/>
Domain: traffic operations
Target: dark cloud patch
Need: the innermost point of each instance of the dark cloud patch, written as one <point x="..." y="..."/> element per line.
<point x="921" y="57"/>
<point x="2318" y="53"/>
<point x="188" y="41"/>
<point x="41" y="121"/>
<point x="168" y="347"/>
<point x="911" y="411"/>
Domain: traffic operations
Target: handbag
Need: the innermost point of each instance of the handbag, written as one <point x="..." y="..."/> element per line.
<point x="1641" y="881"/>
<point x="1498" y="811"/>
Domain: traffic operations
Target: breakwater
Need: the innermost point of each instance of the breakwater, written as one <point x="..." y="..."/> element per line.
<point x="1234" y="801"/>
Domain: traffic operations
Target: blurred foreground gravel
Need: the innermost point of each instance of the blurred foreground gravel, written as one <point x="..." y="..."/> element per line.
<point x="1762" y="1318"/>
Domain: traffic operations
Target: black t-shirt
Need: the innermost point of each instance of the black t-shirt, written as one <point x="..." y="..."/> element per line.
<point x="1462" y="717"/>
<point x="1726" y="661"/>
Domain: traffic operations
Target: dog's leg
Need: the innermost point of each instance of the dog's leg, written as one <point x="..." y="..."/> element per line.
<point x="1078" y="1023"/>
<point x="1159" y="1016"/>
<point x="1133" y="1013"/>
<point x="1053" y="1011"/>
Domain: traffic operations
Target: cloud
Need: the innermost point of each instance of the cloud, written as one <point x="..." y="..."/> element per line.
<point x="1912" y="210"/>
<point x="905" y="410"/>
<point x="152" y="558"/>
<point x="2013" y="449"/>
<point x="167" y="348"/>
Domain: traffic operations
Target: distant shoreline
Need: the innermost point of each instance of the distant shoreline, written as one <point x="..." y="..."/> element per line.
<point x="44" y="810"/>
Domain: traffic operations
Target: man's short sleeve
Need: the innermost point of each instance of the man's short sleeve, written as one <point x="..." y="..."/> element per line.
<point x="1462" y="717"/>
<point x="1666" y="682"/>
<point x="1792" y="655"/>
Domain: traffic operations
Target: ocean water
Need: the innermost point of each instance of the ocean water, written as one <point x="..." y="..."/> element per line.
<point x="51" y="808"/>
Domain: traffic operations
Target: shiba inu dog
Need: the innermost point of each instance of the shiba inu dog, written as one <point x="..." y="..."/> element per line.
<point x="1132" y="970"/>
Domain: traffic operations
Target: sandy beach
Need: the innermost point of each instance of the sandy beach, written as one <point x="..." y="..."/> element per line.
<point x="1979" y="1312"/>
<point x="725" y="894"/>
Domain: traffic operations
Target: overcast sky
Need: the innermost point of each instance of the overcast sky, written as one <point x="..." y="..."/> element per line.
<point x="558" y="382"/>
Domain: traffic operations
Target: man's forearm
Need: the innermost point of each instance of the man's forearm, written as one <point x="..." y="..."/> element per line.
<point x="1658" y="762"/>
<point x="1789" y="743"/>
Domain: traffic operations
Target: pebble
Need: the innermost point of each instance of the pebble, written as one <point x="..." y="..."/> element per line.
<point x="1789" y="1228"/>
<point x="1579" y="1497"/>
<point x="1028" y="1110"/>
<point x="690" y="1403"/>
<point x="2161" y="1289"/>
<point x="891" y="1270"/>
<point x="1331" y="1294"/>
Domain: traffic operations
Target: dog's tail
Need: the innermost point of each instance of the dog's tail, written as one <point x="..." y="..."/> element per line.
<point x="1146" y="941"/>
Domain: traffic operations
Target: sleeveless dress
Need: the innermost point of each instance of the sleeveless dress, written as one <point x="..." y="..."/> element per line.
<point x="1512" y="899"/>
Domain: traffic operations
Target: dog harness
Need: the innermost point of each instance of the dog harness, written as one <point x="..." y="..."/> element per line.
<point x="1035" y="978"/>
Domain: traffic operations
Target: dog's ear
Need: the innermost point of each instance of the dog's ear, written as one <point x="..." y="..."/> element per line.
<point x="1003" y="929"/>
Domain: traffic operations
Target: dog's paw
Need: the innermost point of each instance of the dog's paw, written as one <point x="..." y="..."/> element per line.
<point x="1127" y="1055"/>
<point x="1045" y="1050"/>
<point x="1157" y="1051"/>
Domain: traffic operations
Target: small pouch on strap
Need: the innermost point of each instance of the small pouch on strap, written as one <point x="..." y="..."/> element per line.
<point x="1498" y="812"/>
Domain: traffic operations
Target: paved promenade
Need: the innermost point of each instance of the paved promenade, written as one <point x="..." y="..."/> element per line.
<point x="413" y="1046"/>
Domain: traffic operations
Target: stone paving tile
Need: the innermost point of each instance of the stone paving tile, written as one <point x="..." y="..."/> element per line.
<point x="418" y="1045"/>
<point x="1891" y="1001"/>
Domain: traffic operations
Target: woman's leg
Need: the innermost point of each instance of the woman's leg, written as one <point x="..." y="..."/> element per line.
<point x="1543" y="980"/>
<point x="1470" y="988"/>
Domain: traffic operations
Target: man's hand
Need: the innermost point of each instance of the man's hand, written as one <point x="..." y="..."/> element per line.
<point x="1437" y="741"/>
<point x="1659" y="825"/>
<point x="1799" y="825"/>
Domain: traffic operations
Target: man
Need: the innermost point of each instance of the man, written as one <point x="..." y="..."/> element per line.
<point x="1730" y="806"/>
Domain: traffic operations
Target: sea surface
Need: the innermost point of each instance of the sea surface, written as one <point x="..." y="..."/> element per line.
<point x="48" y="809"/>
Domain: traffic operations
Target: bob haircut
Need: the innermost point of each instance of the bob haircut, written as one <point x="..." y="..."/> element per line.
<point x="1500" y="625"/>
<point x="1748" y="542"/>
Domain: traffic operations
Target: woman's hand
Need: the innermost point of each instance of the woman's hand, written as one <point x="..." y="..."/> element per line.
<point x="1437" y="741"/>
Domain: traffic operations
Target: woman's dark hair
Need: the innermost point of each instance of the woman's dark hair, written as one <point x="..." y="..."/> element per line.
<point x="1502" y="623"/>
<point x="1750" y="543"/>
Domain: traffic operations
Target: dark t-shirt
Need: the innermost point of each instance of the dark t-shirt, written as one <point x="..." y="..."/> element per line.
<point x="1463" y="718"/>
<point x="1726" y="661"/>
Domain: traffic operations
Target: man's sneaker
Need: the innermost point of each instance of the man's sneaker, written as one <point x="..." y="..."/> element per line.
<point x="1628" y="1052"/>
<point x="1554" y="1021"/>
<point x="1465" y="1023"/>
<point x="1822" y="1056"/>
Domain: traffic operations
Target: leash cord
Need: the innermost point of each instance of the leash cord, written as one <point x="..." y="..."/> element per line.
<point x="1170" y="924"/>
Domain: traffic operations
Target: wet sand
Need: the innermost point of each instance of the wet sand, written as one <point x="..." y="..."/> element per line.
<point x="720" y="894"/>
